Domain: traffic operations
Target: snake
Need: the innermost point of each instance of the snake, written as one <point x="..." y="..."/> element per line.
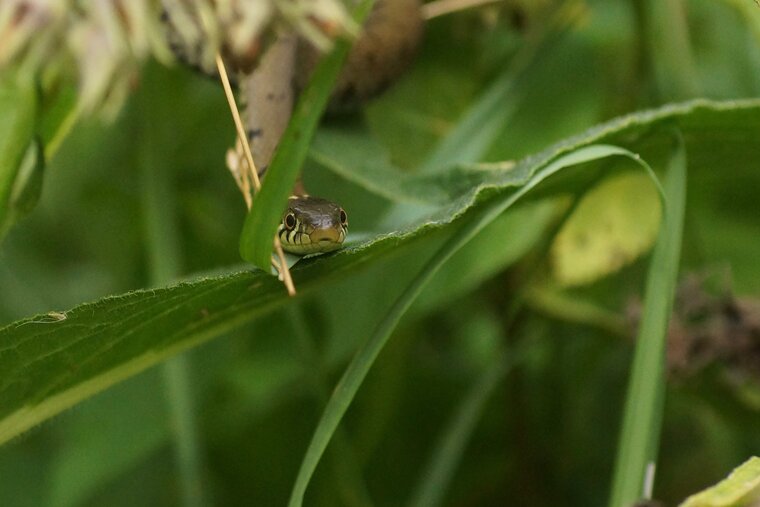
<point x="384" y="49"/>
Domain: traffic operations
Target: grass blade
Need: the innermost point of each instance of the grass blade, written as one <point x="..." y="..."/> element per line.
<point x="362" y="362"/>
<point x="164" y="251"/>
<point x="454" y="438"/>
<point x="261" y="222"/>
<point x="492" y="112"/>
<point x="18" y="105"/>
<point x="351" y="486"/>
<point x="646" y="389"/>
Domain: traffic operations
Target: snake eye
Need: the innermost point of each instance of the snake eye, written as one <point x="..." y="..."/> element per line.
<point x="343" y="218"/>
<point x="290" y="221"/>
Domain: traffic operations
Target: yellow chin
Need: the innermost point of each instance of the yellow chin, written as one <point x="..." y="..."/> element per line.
<point x="321" y="241"/>
<point x="310" y="248"/>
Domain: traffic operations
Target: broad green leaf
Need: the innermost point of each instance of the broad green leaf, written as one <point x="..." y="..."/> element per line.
<point x="52" y="361"/>
<point x="18" y="105"/>
<point x="640" y="434"/>
<point x="740" y="489"/>
<point x="349" y="152"/>
<point x="261" y="222"/>
<point x="614" y="223"/>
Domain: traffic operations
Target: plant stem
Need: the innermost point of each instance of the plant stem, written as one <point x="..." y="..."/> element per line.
<point x="554" y="303"/>
<point x="164" y="260"/>
<point x="351" y="484"/>
<point x="176" y="373"/>
<point x="665" y="26"/>
<point x="453" y="440"/>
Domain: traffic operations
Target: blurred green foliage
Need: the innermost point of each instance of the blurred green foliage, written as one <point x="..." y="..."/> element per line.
<point x="546" y="434"/>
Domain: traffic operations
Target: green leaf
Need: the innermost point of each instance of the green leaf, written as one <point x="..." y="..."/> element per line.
<point x="470" y="139"/>
<point x="454" y="438"/>
<point x="614" y="223"/>
<point x="18" y="106"/>
<point x="52" y="361"/>
<point x="58" y="116"/>
<point x="475" y="133"/>
<point x="28" y="185"/>
<point x="640" y="434"/>
<point x="740" y="489"/>
<point x="261" y="222"/>
<point x="350" y="152"/>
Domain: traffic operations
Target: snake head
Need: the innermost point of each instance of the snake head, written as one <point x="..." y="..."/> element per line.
<point x="312" y="225"/>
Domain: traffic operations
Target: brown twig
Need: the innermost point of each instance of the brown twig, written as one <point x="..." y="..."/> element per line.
<point x="283" y="265"/>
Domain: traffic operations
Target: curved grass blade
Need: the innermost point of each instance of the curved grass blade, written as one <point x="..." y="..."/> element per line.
<point x="352" y="487"/>
<point x="487" y="118"/>
<point x="164" y="250"/>
<point x="261" y="222"/>
<point x="18" y="105"/>
<point x="454" y="438"/>
<point x="362" y="362"/>
<point x="637" y="451"/>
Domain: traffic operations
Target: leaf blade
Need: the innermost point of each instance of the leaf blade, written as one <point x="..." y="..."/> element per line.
<point x="142" y="328"/>
<point x="17" y="119"/>
<point x="646" y="392"/>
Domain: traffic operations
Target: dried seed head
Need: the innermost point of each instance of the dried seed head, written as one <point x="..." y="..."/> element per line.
<point x="108" y="39"/>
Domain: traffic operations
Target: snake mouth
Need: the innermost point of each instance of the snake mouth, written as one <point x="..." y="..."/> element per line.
<point x="320" y="240"/>
<point x="327" y="235"/>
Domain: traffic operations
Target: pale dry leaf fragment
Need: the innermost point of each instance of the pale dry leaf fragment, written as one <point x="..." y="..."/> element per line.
<point x="613" y="225"/>
<point x="740" y="489"/>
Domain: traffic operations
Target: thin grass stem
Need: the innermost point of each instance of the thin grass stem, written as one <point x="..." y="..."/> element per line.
<point x="351" y="484"/>
<point x="165" y="261"/>
<point x="455" y="436"/>
<point x="639" y="437"/>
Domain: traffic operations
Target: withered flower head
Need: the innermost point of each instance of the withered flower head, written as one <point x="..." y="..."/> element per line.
<point x="101" y="43"/>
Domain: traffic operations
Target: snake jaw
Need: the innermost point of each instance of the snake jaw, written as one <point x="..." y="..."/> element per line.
<point x="329" y="235"/>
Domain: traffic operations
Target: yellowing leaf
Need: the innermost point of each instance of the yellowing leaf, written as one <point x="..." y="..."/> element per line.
<point x="740" y="489"/>
<point x="614" y="223"/>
